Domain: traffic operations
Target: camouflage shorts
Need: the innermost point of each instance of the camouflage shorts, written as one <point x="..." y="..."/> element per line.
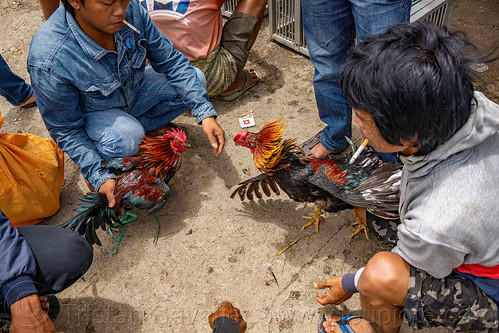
<point x="454" y="301"/>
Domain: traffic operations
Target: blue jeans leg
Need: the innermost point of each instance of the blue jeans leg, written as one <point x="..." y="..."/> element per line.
<point x="12" y="87"/>
<point x="114" y="132"/>
<point x="157" y="103"/>
<point x="329" y="32"/>
<point x="330" y="27"/>
<point x="374" y="17"/>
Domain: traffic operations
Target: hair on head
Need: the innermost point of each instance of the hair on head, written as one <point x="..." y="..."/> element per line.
<point x="415" y="81"/>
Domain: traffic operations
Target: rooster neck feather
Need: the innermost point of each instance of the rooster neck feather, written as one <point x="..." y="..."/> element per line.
<point x="271" y="147"/>
<point x="158" y="157"/>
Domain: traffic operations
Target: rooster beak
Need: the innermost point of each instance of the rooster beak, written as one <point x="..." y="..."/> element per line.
<point x="187" y="145"/>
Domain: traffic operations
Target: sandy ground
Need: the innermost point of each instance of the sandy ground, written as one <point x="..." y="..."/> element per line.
<point x="212" y="248"/>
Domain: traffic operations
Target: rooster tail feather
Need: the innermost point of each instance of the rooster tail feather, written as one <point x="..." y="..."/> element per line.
<point x="250" y="190"/>
<point x="273" y="185"/>
<point x="254" y="187"/>
<point x="93" y="212"/>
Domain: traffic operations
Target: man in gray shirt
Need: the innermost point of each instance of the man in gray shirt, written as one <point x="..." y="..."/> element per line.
<point x="411" y="92"/>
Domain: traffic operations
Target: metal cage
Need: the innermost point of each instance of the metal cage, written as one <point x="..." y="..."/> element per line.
<point x="438" y="12"/>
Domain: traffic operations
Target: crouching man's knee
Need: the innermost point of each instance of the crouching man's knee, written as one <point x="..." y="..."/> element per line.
<point x="385" y="279"/>
<point x="114" y="133"/>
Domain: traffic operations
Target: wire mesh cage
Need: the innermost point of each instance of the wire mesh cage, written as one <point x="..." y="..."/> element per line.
<point x="229" y="7"/>
<point x="286" y="25"/>
<point x="435" y="11"/>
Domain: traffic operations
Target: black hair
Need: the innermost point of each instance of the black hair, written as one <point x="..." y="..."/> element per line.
<point x="70" y="8"/>
<point x="414" y="80"/>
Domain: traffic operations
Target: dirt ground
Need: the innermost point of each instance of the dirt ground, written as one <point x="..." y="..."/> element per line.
<point x="212" y="248"/>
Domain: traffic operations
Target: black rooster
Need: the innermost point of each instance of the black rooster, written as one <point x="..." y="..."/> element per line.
<point x="331" y="183"/>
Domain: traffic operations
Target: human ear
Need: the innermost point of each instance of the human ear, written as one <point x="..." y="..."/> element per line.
<point x="75" y="3"/>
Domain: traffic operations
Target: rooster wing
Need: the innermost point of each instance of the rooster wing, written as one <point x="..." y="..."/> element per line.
<point x="368" y="183"/>
<point x="294" y="180"/>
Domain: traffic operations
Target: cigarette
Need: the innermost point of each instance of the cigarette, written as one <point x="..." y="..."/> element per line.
<point x="359" y="150"/>
<point x="132" y="27"/>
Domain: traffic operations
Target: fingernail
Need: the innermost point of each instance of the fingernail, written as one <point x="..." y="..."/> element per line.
<point x="315" y="285"/>
<point x="214" y="145"/>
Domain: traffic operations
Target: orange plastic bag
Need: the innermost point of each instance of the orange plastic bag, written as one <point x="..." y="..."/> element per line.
<point x="31" y="177"/>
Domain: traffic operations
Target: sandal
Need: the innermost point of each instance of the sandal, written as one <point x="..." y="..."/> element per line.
<point x="238" y="93"/>
<point x="343" y="323"/>
<point x="307" y="145"/>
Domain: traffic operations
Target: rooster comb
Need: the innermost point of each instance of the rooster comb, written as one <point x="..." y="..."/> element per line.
<point x="176" y="134"/>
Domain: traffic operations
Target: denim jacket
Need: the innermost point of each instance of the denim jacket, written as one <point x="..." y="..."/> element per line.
<point x="71" y="75"/>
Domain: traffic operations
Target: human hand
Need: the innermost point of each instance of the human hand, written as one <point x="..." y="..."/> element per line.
<point x="108" y="189"/>
<point x="28" y="316"/>
<point x="228" y="310"/>
<point x="215" y="134"/>
<point x="337" y="294"/>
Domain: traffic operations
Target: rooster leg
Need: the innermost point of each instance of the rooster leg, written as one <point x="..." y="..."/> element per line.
<point x="316" y="219"/>
<point x="360" y="224"/>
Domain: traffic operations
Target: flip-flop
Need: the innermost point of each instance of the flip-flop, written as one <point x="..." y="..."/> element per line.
<point x="238" y="93"/>
<point x="344" y="324"/>
<point x="307" y="145"/>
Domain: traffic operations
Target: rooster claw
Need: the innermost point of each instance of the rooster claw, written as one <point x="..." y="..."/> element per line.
<point x="315" y="219"/>
<point x="360" y="224"/>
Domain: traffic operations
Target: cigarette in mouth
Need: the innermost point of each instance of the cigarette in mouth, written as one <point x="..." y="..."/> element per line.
<point x="359" y="150"/>
<point x="131" y="27"/>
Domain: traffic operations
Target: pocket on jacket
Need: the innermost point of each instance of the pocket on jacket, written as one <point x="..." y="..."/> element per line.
<point x="100" y="96"/>
<point x="138" y="62"/>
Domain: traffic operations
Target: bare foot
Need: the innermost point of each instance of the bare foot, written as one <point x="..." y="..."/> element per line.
<point x="30" y="100"/>
<point x="240" y="82"/>
<point x="319" y="151"/>
<point x="359" y="325"/>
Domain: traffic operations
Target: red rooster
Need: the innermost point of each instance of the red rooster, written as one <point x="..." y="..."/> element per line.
<point x="141" y="184"/>
<point x="331" y="183"/>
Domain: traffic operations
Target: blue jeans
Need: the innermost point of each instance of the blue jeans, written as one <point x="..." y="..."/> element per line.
<point x="117" y="133"/>
<point x="12" y="87"/>
<point x="330" y="27"/>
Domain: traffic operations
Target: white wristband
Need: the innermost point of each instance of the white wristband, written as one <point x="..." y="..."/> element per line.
<point x="357" y="277"/>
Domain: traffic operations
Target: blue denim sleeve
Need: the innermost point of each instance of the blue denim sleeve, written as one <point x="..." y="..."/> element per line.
<point x="18" y="265"/>
<point x="177" y="68"/>
<point x="63" y="118"/>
